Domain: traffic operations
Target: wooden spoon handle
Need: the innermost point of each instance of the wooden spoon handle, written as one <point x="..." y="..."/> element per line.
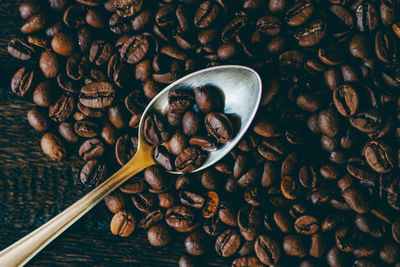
<point x="19" y="253"/>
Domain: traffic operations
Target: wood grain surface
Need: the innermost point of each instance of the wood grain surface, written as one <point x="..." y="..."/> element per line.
<point x="34" y="189"/>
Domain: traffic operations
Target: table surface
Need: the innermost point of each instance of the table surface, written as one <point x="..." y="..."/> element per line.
<point x="34" y="189"/>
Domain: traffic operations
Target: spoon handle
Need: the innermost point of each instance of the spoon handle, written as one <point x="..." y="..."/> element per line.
<point x="19" y="253"/>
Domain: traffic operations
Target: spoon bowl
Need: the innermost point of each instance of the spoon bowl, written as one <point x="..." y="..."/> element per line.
<point x="241" y="87"/>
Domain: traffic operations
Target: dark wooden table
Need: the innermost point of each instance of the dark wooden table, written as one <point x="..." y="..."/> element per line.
<point x="34" y="189"/>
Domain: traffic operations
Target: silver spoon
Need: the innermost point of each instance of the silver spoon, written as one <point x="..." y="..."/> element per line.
<point x="241" y="87"/>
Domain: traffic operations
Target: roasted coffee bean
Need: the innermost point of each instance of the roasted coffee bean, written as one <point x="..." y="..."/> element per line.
<point x="318" y="245"/>
<point x="196" y="243"/>
<point x="187" y="261"/>
<point x="34" y="23"/>
<point x="206" y="14"/>
<point x="227" y="213"/>
<point x="205" y="143"/>
<point x="91" y="148"/>
<point x="162" y="156"/>
<point x="269" y="25"/>
<point x="191" y="199"/>
<point x="311" y="34"/>
<point x="367" y="18"/>
<point x="22" y="82"/>
<point x="144" y="201"/>
<point x="246" y="261"/>
<point x="43" y="94"/>
<point x="177" y="143"/>
<point x="386" y="49"/>
<point x="289" y="187"/>
<point x="328" y="122"/>
<point x="295" y="245"/>
<point x="299" y="13"/>
<point x="100" y="52"/>
<point x="115" y="201"/>
<point x="87" y="128"/>
<point x="227" y="243"/>
<point x="38" y="120"/>
<point x="356" y="199"/>
<point x="97" y="95"/>
<point x="234" y="27"/>
<point x="359" y="169"/>
<point x="190" y="123"/>
<point x="63" y="44"/>
<point x="189" y="160"/>
<point x="62" y="109"/>
<point x="116" y="115"/>
<point x="133" y="186"/>
<point x="346" y="100"/>
<point x="208" y="98"/>
<point x="166" y="200"/>
<point x="219" y="126"/>
<point x="53" y="147"/>
<point x="283" y="221"/>
<point x="93" y="173"/>
<point x="156" y="177"/>
<point x="159" y="235"/>
<point x="267" y="250"/>
<point x="66" y="130"/>
<point x="182" y="218"/>
<point x="249" y="220"/>
<point x="211" y="205"/>
<point x="155" y="131"/>
<point x="77" y="66"/>
<point x="123" y="223"/>
<point x="135" y="49"/>
<point x="379" y="156"/>
<point x="306" y="224"/>
<point x="29" y="8"/>
<point x="20" y="49"/>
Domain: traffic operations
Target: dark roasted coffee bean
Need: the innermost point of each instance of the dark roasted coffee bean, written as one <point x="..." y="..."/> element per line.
<point x="95" y="18"/>
<point x="187" y="261"/>
<point x="299" y="13"/>
<point x="267" y="250"/>
<point x="48" y="63"/>
<point x="227" y="243"/>
<point x="283" y="221"/>
<point x="295" y="245"/>
<point x="20" y="49"/>
<point x="219" y="126"/>
<point x="63" y="107"/>
<point x="159" y="235"/>
<point x="346" y="238"/>
<point x="115" y="201"/>
<point x="269" y="25"/>
<point x="386" y="48"/>
<point x="311" y="34"/>
<point x="144" y="201"/>
<point x="189" y="160"/>
<point x="162" y="156"/>
<point x="346" y="100"/>
<point x="246" y="261"/>
<point x="77" y="66"/>
<point x="180" y="100"/>
<point x="63" y="43"/>
<point x="100" y="52"/>
<point x="22" y="82"/>
<point x="234" y="27"/>
<point x="206" y="14"/>
<point x="86" y="128"/>
<point x="66" y="130"/>
<point x="190" y="123"/>
<point x="335" y="257"/>
<point x="93" y="173"/>
<point x="289" y="187"/>
<point x="43" y="94"/>
<point x="91" y="148"/>
<point x="135" y="49"/>
<point x="166" y="200"/>
<point x="367" y="18"/>
<point x="157" y="179"/>
<point x="34" y="23"/>
<point x="182" y="218"/>
<point x="208" y="98"/>
<point x="155" y="130"/>
<point x="357" y="199"/>
<point x="127" y="8"/>
<point x="133" y="186"/>
<point x="38" y="120"/>
<point x="329" y="122"/>
<point x="318" y="245"/>
<point x="306" y="224"/>
<point x="358" y="168"/>
<point x="97" y="95"/>
<point x="116" y="115"/>
<point x="196" y="243"/>
<point x="142" y="70"/>
<point x="29" y="8"/>
<point x="122" y="223"/>
<point x="53" y="147"/>
<point x="177" y="143"/>
<point x="379" y="156"/>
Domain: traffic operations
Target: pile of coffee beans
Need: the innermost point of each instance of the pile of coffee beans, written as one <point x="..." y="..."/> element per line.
<point x="205" y="129"/>
<point x="314" y="182"/>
